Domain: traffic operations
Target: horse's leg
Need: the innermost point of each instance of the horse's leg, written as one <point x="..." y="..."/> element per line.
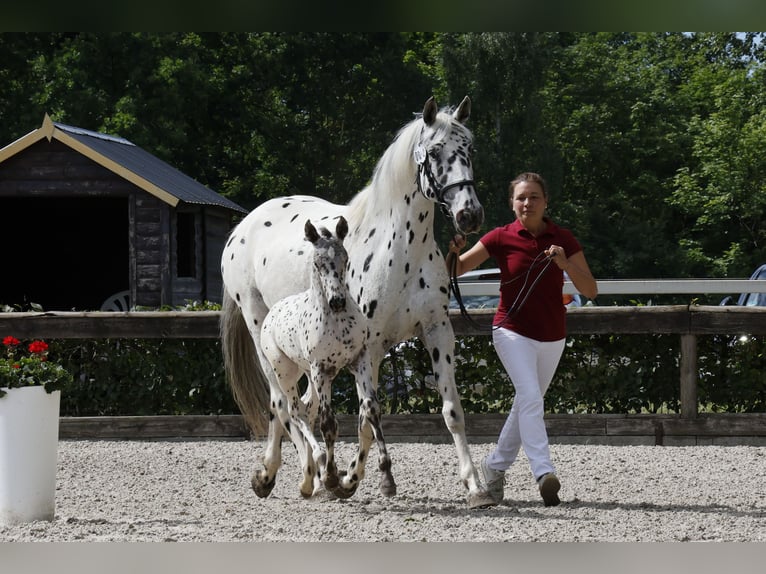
<point x="308" y="448"/>
<point x="297" y="424"/>
<point x="286" y="411"/>
<point x="369" y="428"/>
<point x="328" y="425"/>
<point x="387" y="485"/>
<point x="439" y="341"/>
<point x="310" y="401"/>
<point x="263" y="481"/>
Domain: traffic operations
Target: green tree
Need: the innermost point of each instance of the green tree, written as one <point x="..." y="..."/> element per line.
<point x="722" y="189"/>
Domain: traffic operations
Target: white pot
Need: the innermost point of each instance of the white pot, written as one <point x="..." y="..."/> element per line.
<point x="29" y="432"/>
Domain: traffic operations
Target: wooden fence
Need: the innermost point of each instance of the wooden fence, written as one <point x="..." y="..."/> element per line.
<point x="687" y="321"/>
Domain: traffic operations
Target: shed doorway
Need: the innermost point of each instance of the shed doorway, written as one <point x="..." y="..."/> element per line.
<point x="63" y="253"/>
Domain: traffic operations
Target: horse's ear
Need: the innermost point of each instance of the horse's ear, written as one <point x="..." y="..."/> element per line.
<point x="341" y="229"/>
<point x="429" y="111"/>
<point x="311" y="231"/>
<point x="463" y="112"/>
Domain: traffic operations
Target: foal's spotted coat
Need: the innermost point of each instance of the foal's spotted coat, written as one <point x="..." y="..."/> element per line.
<point x="317" y="333"/>
<point x="396" y="275"/>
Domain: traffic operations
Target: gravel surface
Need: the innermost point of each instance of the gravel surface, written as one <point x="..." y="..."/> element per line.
<point x="199" y="491"/>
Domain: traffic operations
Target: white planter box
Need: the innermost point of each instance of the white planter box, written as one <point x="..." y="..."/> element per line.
<point x="29" y="424"/>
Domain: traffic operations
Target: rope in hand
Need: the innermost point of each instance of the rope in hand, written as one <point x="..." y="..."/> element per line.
<point x="455" y="289"/>
<point x="516" y="305"/>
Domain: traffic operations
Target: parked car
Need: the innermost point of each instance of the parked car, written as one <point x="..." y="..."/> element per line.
<point x="750" y="299"/>
<point x="480" y="289"/>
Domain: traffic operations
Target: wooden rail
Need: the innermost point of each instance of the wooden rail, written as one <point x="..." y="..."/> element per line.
<point x="686" y="321"/>
<point x="660" y="319"/>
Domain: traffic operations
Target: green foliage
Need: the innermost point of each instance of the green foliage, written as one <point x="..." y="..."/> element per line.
<point x="597" y="374"/>
<point x="732" y="373"/>
<point x="144" y="377"/>
<point x="651" y="142"/>
<point x="617" y="374"/>
<point x="28" y="365"/>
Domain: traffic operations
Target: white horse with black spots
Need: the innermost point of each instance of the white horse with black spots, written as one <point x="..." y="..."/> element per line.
<point x="315" y="333"/>
<point x="396" y="274"/>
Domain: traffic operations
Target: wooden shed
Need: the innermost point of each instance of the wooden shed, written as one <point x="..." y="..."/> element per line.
<point x="90" y="221"/>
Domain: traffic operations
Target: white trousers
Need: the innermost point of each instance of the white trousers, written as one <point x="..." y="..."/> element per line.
<point x="531" y="365"/>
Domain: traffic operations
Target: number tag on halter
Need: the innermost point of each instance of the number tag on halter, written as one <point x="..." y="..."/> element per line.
<point x="420" y="155"/>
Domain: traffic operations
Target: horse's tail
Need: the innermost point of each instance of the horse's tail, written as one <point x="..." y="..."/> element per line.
<point x="246" y="378"/>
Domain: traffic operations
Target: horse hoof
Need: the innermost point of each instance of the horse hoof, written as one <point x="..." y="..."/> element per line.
<point x="481" y="499"/>
<point x="321" y="494"/>
<point x="341" y="492"/>
<point x="262" y="488"/>
<point x="331" y="481"/>
<point x="387" y="485"/>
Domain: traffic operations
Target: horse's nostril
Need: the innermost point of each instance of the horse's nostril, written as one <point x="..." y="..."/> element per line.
<point x="469" y="220"/>
<point x="338" y="303"/>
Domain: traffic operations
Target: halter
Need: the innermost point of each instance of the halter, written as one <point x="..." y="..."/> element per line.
<point x="424" y="167"/>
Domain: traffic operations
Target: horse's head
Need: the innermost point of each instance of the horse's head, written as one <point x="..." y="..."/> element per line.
<point x="445" y="172"/>
<point x="330" y="262"/>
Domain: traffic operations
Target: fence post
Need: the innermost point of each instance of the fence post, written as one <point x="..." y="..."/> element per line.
<point x="689" y="376"/>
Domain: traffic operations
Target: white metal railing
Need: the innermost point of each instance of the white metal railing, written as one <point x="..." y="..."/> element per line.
<point x="640" y="286"/>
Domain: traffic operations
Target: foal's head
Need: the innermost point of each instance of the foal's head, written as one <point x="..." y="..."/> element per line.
<point x="330" y="261"/>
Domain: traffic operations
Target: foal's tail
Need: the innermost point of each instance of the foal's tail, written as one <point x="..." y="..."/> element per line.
<point x="246" y="378"/>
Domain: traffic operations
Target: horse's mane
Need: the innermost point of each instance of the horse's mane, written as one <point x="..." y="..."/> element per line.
<point x="395" y="170"/>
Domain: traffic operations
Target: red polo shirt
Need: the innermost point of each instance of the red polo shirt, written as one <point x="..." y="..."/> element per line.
<point x="520" y="257"/>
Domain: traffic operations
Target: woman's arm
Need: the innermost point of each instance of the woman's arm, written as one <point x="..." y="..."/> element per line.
<point x="578" y="270"/>
<point x="469" y="260"/>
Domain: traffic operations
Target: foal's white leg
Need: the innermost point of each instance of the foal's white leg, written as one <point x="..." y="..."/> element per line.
<point x="439" y="341"/>
<point x="287" y="410"/>
<point x="294" y="418"/>
<point x="309" y="450"/>
<point x="328" y="426"/>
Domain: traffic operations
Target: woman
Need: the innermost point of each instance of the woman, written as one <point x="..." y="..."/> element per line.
<point x="529" y="328"/>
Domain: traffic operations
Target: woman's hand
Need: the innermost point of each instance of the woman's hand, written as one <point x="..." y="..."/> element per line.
<point x="556" y="254"/>
<point x="457" y="244"/>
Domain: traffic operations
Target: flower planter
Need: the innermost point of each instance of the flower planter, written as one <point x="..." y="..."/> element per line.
<point x="29" y="424"/>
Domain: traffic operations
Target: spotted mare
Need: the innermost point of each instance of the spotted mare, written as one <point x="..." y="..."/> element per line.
<point x="396" y="273"/>
<point x="316" y="332"/>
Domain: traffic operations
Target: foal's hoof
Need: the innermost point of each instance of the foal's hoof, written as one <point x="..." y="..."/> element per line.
<point x="306" y="495"/>
<point x="341" y="492"/>
<point x="331" y="481"/>
<point x="261" y="486"/>
<point x="480" y="499"/>
<point x="321" y="494"/>
<point x="387" y="484"/>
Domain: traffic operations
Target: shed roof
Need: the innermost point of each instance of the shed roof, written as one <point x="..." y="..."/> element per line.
<point x="126" y="160"/>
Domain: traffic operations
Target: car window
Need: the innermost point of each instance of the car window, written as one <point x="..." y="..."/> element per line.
<point x="756" y="300"/>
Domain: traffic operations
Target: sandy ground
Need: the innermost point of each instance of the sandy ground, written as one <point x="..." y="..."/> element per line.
<point x="189" y="491"/>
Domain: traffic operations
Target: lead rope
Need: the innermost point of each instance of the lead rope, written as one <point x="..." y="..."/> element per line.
<point x="455" y="288"/>
<point x="513" y="309"/>
<point x="516" y="305"/>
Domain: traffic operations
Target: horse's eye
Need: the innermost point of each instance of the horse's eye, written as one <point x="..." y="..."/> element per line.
<point x="433" y="153"/>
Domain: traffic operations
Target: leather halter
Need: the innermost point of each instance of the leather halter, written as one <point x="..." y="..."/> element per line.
<point x="424" y="168"/>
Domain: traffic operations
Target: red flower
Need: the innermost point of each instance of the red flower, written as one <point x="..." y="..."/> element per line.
<point x="10" y="341"/>
<point x="38" y="347"/>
